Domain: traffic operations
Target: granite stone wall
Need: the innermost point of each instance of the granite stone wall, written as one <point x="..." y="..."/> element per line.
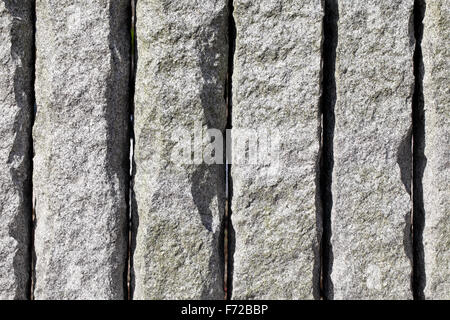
<point x="224" y="149"/>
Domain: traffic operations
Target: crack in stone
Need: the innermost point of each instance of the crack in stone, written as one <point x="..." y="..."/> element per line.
<point x="419" y="159"/>
<point x="229" y="241"/>
<point x="327" y="104"/>
<point x="133" y="57"/>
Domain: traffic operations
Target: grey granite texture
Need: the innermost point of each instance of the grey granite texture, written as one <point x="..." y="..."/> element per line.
<point x="371" y="184"/>
<point x="81" y="141"/>
<point x="275" y="207"/>
<point x="178" y="207"/>
<point x="436" y="175"/>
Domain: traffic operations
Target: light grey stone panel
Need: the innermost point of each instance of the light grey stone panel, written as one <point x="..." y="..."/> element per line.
<point x="178" y="208"/>
<point x="81" y="141"/>
<point x="275" y="204"/>
<point x="436" y="176"/>
<point x="371" y="184"/>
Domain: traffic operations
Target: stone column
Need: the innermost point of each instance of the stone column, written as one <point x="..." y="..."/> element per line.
<point x="436" y="176"/>
<point x="371" y="185"/>
<point x="16" y="110"/>
<point x="178" y="204"/>
<point x="81" y="142"/>
<point x="275" y="204"/>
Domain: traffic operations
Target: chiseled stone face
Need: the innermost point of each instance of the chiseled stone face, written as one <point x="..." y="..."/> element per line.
<point x="276" y="87"/>
<point x="436" y="176"/>
<point x="16" y="39"/>
<point x="371" y="241"/>
<point x="178" y="207"/>
<point x="81" y="143"/>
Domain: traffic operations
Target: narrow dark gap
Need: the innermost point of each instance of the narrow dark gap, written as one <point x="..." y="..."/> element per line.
<point x="32" y="204"/>
<point x="419" y="159"/>
<point x="327" y="104"/>
<point x="132" y="83"/>
<point x="228" y="227"/>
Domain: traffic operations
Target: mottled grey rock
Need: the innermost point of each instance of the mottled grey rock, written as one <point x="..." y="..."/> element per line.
<point x="436" y="177"/>
<point x="276" y="87"/>
<point x="371" y="241"/>
<point x="178" y="207"/>
<point x="16" y="41"/>
<point x="81" y="148"/>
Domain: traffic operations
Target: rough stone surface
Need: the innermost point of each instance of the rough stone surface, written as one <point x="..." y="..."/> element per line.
<point x="436" y="178"/>
<point x="178" y="207"/>
<point x="276" y="87"/>
<point x="16" y="41"/>
<point x="371" y="241"/>
<point x="81" y="148"/>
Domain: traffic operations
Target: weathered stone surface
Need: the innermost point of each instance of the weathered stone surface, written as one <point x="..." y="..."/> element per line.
<point x="276" y="87"/>
<point x="16" y="41"/>
<point x="436" y="178"/>
<point x="371" y="239"/>
<point x="178" y="207"/>
<point x="81" y="148"/>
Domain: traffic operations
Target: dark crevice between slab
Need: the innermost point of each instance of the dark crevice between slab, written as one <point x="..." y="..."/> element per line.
<point x="419" y="159"/>
<point x="229" y="239"/>
<point x="131" y="206"/>
<point x="327" y="105"/>
<point x="32" y="254"/>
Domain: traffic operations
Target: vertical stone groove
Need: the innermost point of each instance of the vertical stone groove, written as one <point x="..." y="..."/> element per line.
<point x="327" y="104"/>
<point x="131" y="135"/>
<point x="229" y="234"/>
<point x="33" y="114"/>
<point x="419" y="160"/>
